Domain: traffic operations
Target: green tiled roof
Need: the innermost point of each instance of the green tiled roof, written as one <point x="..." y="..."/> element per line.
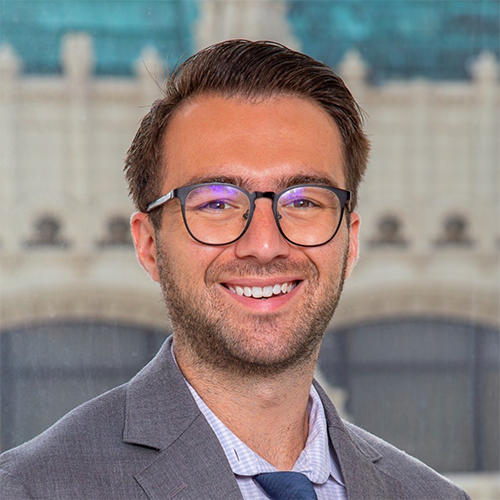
<point x="398" y="38"/>
<point x="120" y="29"/>
<point x="436" y="39"/>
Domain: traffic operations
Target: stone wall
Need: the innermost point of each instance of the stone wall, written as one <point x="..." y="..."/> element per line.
<point x="430" y="203"/>
<point x="65" y="242"/>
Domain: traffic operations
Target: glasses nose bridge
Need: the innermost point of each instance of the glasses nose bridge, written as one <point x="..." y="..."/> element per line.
<point x="256" y="195"/>
<point x="263" y="194"/>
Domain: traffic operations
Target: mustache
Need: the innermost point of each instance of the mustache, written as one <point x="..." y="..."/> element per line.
<point x="253" y="269"/>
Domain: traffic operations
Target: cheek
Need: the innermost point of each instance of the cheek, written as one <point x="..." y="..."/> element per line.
<point x="173" y="229"/>
<point x="191" y="259"/>
<point x="329" y="261"/>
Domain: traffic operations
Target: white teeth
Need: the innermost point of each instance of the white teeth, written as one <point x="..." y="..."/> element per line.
<point x="258" y="292"/>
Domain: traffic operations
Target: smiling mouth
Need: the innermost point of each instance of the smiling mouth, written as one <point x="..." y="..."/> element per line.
<point x="263" y="292"/>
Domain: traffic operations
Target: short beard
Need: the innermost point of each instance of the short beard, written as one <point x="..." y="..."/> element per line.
<point x="208" y="335"/>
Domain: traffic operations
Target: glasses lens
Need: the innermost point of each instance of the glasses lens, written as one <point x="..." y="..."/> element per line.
<point x="310" y="215"/>
<point x="215" y="213"/>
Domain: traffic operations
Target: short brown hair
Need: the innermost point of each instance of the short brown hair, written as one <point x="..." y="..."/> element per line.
<point x="245" y="69"/>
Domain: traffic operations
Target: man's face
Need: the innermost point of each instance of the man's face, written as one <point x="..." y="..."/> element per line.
<point x="264" y="146"/>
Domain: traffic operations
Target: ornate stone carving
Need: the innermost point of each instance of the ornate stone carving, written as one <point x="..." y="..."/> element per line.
<point x="47" y="233"/>
<point x="455" y="232"/>
<point x="117" y="233"/>
<point x="10" y="64"/>
<point x="353" y="68"/>
<point x="222" y="20"/>
<point x="485" y="68"/>
<point x="77" y="55"/>
<point x="389" y="233"/>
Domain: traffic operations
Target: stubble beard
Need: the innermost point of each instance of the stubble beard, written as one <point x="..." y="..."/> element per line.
<point x="203" y="324"/>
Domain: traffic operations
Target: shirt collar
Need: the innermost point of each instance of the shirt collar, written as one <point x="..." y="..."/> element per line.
<point x="316" y="460"/>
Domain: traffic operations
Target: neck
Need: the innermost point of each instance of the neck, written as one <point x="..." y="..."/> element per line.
<point x="269" y="413"/>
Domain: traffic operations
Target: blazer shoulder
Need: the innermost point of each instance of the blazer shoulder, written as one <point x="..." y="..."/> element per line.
<point x="49" y="460"/>
<point x="420" y="480"/>
<point x="12" y="488"/>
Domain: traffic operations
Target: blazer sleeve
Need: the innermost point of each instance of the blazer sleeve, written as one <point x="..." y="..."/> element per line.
<point x="11" y="488"/>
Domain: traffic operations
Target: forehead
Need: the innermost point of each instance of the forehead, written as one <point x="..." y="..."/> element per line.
<point x="261" y="143"/>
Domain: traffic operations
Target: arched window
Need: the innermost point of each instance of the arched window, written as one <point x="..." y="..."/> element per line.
<point x="455" y="232"/>
<point x="117" y="233"/>
<point x="430" y="387"/>
<point x="48" y="370"/>
<point x="389" y="233"/>
<point x="47" y="233"/>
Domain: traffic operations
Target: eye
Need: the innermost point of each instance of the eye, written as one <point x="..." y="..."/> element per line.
<point x="301" y="203"/>
<point x="216" y="205"/>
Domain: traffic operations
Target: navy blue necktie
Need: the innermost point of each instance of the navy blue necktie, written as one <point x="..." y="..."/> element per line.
<point x="286" y="486"/>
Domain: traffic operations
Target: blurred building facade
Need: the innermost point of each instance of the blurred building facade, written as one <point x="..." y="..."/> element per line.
<point x="416" y="335"/>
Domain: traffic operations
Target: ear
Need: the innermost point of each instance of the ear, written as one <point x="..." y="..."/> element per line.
<point x="143" y="234"/>
<point x="352" y="256"/>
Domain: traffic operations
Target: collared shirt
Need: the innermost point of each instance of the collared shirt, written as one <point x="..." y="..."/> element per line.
<point x="316" y="461"/>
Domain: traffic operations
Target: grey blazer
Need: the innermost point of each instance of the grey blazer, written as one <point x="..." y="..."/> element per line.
<point x="148" y="440"/>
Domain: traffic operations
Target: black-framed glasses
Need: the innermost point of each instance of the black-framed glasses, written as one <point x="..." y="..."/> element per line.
<point x="307" y="215"/>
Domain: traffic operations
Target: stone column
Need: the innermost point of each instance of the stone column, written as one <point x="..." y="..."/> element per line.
<point x="150" y="72"/>
<point x="485" y="109"/>
<point x="416" y="176"/>
<point x="10" y="67"/>
<point x="354" y="70"/>
<point x="254" y="20"/>
<point x="78" y="62"/>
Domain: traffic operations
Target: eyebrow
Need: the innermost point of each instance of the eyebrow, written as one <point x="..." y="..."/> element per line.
<point x="294" y="180"/>
<point x="226" y="179"/>
<point x="281" y="183"/>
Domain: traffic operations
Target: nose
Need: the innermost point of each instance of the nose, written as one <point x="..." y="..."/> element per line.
<point x="262" y="240"/>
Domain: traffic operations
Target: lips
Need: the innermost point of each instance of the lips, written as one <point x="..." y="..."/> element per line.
<point x="262" y="292"/>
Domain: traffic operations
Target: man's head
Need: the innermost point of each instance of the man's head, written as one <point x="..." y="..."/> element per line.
<point x="253" y="71"/>
<point x="256" y="139"/>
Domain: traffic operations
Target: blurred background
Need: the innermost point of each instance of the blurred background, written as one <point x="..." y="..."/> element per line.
<point x="413" y="351"/>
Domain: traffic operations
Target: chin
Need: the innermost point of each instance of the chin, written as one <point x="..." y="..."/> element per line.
<point x="271" y="354"/>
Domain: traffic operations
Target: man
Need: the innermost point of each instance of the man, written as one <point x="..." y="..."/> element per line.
<point x="245" y="176"/>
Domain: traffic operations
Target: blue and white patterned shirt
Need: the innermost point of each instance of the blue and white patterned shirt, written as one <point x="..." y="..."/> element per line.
<point x="316" y="461"/>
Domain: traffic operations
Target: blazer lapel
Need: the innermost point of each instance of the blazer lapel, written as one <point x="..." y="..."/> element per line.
<point x="191" y="471"/>
<point x="161" y="414"/>
<point x="357" y="460"/>
<point x="362" y="478"/>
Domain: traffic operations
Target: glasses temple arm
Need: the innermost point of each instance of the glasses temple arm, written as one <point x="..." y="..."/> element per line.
<point x="160" y="201"/>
